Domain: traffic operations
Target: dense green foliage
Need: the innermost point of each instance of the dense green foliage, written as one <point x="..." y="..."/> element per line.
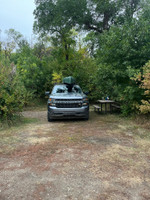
<point x="13" y="94"/>
<point x="105" y="59"/>
<point x="123" y="52"/>
<point x="61" y="15"/>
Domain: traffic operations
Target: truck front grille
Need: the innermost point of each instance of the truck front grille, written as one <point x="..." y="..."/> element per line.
<point x="68" y="103"/>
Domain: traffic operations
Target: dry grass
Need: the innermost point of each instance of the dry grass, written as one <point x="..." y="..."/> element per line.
<point x="105" y="158"/>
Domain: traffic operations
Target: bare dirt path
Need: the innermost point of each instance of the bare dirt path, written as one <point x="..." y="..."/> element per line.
<point x="105" y="158"/>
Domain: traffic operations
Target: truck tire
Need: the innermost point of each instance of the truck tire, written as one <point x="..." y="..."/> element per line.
<point x="87" y="117"/>
<point x="49" y="118"/>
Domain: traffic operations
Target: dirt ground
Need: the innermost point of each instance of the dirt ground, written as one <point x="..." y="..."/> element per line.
<point x="104" y="158"/>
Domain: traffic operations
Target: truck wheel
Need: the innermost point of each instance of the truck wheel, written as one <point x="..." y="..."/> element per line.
<point x="87" y="117"/>
<point x="49" y="118"/>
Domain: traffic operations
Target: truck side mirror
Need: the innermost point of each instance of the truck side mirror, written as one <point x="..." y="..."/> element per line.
<point x="47" y="93"/>
<point x="86" y="93"/>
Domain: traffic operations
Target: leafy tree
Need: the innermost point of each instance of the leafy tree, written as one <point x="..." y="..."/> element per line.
<point x="144" y="79"/>
<point x="57" y="16"/>
<point x="34" y="67"/>
<point x="14" y="36"/>
<point x="122" y="53"/>
<point x="61" y="15"/>
<point x="13" y="41"/>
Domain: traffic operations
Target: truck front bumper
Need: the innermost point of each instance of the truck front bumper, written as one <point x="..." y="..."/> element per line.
<point x="61" y="113"/>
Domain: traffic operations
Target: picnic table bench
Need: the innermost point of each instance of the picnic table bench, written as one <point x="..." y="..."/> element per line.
<point x="96" y="108"/>
<point x="116" y="105"/>
<point x="109" y="106"/>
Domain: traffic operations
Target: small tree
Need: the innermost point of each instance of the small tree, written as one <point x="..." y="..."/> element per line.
<point x="144" y="78"/>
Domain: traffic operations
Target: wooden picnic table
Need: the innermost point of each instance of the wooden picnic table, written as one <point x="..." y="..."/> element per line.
<point x="106" y="102"/>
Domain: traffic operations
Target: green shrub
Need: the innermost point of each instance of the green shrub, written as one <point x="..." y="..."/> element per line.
<point x="144" y="79"/>
<point x="13" y="95"/>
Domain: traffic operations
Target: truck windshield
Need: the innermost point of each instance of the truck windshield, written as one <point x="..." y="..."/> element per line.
<point x="65" y="89"/>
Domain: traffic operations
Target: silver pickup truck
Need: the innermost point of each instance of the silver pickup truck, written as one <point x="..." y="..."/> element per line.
<point x="64" y="102"/>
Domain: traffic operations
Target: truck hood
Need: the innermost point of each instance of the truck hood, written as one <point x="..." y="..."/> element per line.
<point x="68" y="96"/>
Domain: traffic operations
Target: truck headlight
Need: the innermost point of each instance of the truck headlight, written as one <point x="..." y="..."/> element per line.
<point x="85" y="102"/>
<point x="51" y="102"/>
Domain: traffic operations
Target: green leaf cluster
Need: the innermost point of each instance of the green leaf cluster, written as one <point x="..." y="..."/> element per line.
<point x="13" y="94"/>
